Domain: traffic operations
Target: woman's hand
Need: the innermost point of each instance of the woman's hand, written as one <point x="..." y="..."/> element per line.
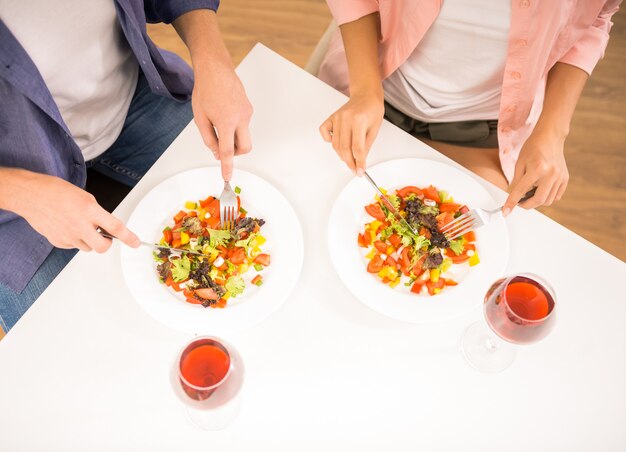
<point x="541" y="164"/>
<point x="63" y="213"/>
<point x="353" y="128"/>
<point x="222" y="113"/>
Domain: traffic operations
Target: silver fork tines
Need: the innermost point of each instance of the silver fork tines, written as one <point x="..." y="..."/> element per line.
<point x="474" y="219"/>
<point x="228" y="205"/>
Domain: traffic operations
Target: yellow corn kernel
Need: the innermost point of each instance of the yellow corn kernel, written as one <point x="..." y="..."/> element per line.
<point x="474" y="260"/>
<point x="434" y="275"/>
<point x="190" y="205"/>
<point x="371" y="254"/>
<point x="184" y="238"/>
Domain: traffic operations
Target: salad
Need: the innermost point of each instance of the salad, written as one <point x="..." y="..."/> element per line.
<point x="420" y="261"/>
<point x="212" y="279"/>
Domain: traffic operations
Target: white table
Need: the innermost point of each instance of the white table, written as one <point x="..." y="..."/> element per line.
<point x="87" y="369"/>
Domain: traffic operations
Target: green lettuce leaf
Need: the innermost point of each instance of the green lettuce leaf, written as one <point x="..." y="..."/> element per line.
<point x="218" y="237"/>
<point x="180" y="269"/>
<point x="457" y="246"/>
<point x="235" y="285"/>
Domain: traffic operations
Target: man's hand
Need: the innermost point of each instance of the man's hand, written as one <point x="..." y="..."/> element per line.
<point x="63" y="213"/>
<point x="222" y="113"/>
<point x="353" y="128"/>
<point x="221" y="108"/>
<point x="541" y="164"/>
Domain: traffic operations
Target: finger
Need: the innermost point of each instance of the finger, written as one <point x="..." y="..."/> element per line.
<point x="207" y="132"/>
<point x="243" y="143"/>
<point x="518" y="191"/>
<point x="359" y="150"/>
<point x="552" y="196"/>
<point x="561" y="190"/>
<point x="344" y="155"/>
<point x="98" y="243"/>
<point x="345" y="147"/>
<point x="326" y="130"/>
<point x="227" y="150"/>
<point x="544" y="188"/>
<point x="81" y="245"/>
<point x="116" y="228"/>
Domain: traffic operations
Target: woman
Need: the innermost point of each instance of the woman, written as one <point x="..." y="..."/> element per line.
<point x="491" y="84"/>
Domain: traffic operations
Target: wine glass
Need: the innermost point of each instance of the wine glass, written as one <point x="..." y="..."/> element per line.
<point x="208" y="378"/>
<point x="519" y="309"/>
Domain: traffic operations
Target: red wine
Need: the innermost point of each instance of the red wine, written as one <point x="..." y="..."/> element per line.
<point x="203" y="364"/>
<point x="519" y="311"/>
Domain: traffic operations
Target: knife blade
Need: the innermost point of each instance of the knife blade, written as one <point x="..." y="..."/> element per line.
<point x="103" y="233"/>
<point x="388" y="203"/>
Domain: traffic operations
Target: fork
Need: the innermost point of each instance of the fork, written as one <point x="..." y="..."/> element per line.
<point x="475" y="219"/>
<point x="228" y="206"/>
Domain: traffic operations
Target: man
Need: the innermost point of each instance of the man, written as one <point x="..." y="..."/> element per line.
<point x="82" y="85"/>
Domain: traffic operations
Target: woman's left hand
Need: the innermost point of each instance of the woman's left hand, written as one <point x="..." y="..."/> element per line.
<point x="541" y="164"/>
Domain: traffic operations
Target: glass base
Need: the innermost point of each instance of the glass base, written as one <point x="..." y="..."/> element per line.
<point x="215" y="418"/>
<point x="484" y="350"/>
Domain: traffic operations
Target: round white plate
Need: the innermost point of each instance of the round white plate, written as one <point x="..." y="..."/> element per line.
<point x="348" y="218"/>
<point x="284" y="244"/>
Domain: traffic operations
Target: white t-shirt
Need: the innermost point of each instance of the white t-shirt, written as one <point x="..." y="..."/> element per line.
<point x="84" y="58"/>
<point x="456" y="71"/>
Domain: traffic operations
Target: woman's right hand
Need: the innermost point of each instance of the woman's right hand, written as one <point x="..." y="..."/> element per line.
<point x="63" y="213"/>
<point x="353" y="128"/>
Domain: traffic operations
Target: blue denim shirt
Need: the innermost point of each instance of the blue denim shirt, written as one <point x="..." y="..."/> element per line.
<point x="34" y="136"/>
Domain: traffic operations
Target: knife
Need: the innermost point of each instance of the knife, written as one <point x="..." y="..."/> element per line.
<point x="104" y="233"/>
<point x="388" y="204"/>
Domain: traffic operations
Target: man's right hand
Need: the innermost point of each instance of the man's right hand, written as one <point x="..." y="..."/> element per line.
<point x="63" y="213"/>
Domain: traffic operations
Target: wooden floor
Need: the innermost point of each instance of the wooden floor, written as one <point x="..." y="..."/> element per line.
<point x="594" y="205"/>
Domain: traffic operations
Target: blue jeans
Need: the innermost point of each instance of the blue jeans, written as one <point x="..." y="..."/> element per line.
<point x="152" y="123"/>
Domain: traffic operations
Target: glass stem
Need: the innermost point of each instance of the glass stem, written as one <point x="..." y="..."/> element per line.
<point x="490" y="344"/>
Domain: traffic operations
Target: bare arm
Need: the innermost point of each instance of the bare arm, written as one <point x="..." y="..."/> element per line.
<point x="541" y="162"/>
<point x="353" y="128"/>
<point x="219" y="100"/>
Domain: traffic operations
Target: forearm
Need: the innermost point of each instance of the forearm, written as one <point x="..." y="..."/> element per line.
<point x="563" y="89"/>
<point x="360" y="39"/>
<point x="14" y="184"/>
<point x="200" y="32"/>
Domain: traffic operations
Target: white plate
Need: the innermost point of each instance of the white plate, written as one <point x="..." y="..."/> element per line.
<point x="348" y="217"/>
<point x="261" y="200"/>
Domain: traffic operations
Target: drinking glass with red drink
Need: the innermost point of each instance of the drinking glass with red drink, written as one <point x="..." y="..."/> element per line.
<point x="208" y="379"/>
<point x="519" y="309"/>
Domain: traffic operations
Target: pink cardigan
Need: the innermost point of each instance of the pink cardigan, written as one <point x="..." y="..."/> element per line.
<point x="542" y="33"/>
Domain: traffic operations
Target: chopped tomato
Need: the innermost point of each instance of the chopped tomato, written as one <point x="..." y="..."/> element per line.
<point x="179" y="216"/>
<point x="221" y="303"/>
<point x="263" y="259"/>
<point x="391" y="262"/>
<point x="256" y="279"/>
<point x="431" y="286"/>
<point x="406" y="191"/>
<point x="395" y="240"/>
<point x="238" y="255"/>
<point x="376" y="264"/>
<point x="464" y="209"/>
<point x="470" y="236"/>
<point x="381" y="246"/>
<point x="213" y="222"/>
<point x="167" y="235"/>
<point x="432" y="193"/>
<point x="443" y="219"/>
<point x="214" y="208"/>
<point x="176" y="243"/>
<point x="207" y="293"/>
<point x="450" y="282"/>
<point x="405" y="257"/>
<point x="449" y="207"/>
<point x="176" y="235"/>
<point x="375" y="211"/>
<point x="193" y="213"/>
<point x="417" y="286"/>
<point x="417" y="268"/>
<point x="206" y="202"/>
<point x="362" y="240"/>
